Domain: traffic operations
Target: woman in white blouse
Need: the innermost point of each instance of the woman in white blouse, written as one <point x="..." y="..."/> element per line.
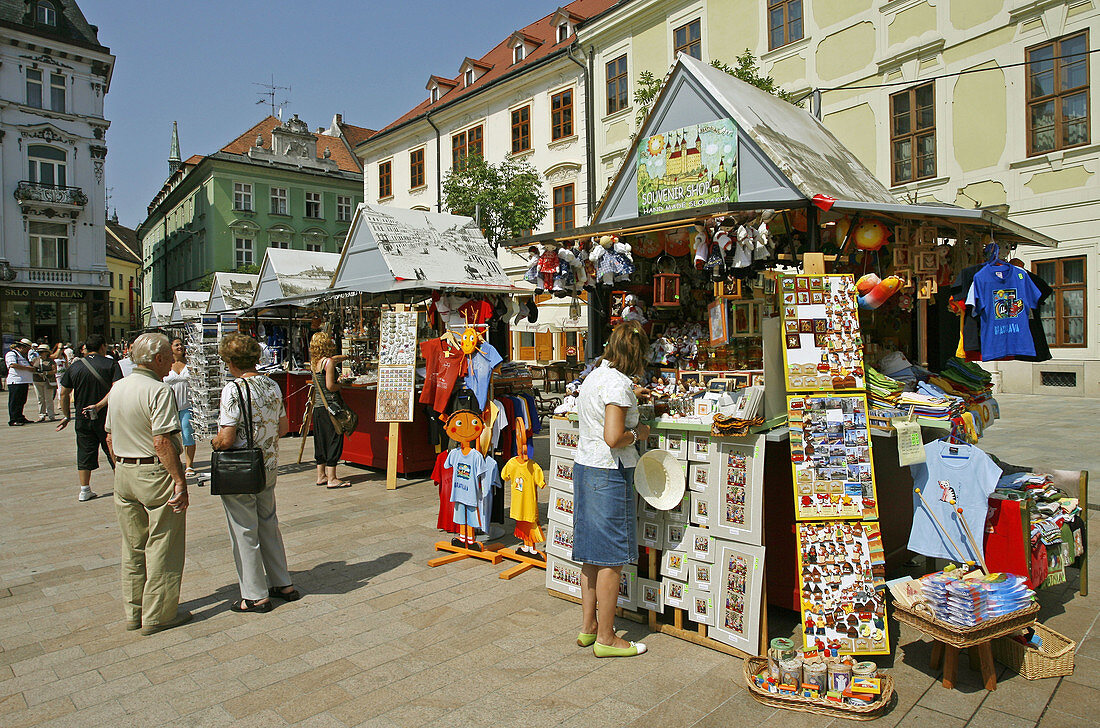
<point x="604" y="538"/>
<point x="179" y="379"/>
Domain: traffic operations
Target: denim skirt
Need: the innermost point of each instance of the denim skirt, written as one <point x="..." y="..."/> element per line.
<point x="604" y="527"/>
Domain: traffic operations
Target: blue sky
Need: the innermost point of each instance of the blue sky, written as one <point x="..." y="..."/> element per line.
<point x="196" y="61"/>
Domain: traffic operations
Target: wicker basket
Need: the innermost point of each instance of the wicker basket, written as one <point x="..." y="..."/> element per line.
<point x="753" y="666"/>
<point x="1053" y="659"/>
<point x="920" y="616"/>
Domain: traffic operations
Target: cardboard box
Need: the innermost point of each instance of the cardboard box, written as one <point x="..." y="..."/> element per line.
<point x="560" y="475"/>
<point x="563" y="576"/>
<point x="560" y="508"/>
<point x="559" y="539"/>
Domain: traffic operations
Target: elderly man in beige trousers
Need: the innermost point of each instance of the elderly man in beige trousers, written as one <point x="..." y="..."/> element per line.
<point x="143" y="433"/>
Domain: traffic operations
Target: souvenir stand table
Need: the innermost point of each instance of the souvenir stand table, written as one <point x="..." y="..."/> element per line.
<point x="713" y="236"/>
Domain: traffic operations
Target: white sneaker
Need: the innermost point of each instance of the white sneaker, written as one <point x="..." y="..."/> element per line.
<point x="86" y="494"/>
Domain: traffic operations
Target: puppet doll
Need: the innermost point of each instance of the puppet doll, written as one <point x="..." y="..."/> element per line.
<point x="526" y="478"/>
<point x="532" y="274"/>
<point x="702" y="246"/>
<point x="549" y="267"/>
<point x="468" y="467"/>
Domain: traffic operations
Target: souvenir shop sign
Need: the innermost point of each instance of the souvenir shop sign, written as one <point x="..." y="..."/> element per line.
<point x="688" y="168"/>
<point x="834" y="474"/>
<point x="396" y="367"/>
<point x="842" y="586"/>
<point x="822" y="344"/>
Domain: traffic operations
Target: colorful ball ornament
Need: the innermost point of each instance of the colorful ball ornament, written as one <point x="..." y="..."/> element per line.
<point x="870" y="235"/>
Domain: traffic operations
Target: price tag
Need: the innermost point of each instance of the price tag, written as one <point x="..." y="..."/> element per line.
<point x="910" y="445"/>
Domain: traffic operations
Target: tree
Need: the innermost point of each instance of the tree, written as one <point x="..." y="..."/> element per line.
<point x="505" y="198"/>
<point x="649" y="86"/>
<point x="207" y="281"/>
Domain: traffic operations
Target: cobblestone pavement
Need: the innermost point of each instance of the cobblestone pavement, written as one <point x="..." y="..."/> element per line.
<point x="380" y="639"/>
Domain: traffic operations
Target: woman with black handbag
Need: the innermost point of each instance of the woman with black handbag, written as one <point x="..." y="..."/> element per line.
<point x="328" y="432"/>
<point x="252" y="419"/>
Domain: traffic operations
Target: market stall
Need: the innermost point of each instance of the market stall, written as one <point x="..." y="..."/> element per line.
<point x="160" y="314"/>
<point x="781" y="284"/>
<point x="231" y="293"/>
<point x="187" y="306"/>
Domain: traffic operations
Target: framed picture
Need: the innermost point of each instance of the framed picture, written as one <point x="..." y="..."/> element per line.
<point x="628" y="587"/>
<point x="679" y="513"/>
<point x="560" y="508"/>
<point x="675" y="443"/>
<point x="902" y="235"/>
<point x="675" y="533"/>
<point x="927" y="261"/>
<point x="699" y="573"/>
<point x="675" y="593"/>
<point x="742" y="318"/>
<point x="901" y="257"/>
<point x="649" y="595"/>
<point x="718" y="318"/>
<point x="701" y="476"/>
<point x="561" y="473"/>
<point x="738" y="491"/>
<point x="564" y="436"/>
<point x="841" y="572"/>
<point x="701" y="607"/>
<point x="674" y="565"/>
<point x="700" y="449"/>
<point x="651" y="534"/>
<point x="644" y="510"/>
<point x="563" y="576"/>
<point x="737" y="591"/>
<point x="831" y="457"/>
<point x="699" y="544"/>
<point x="559" y="539"/>
<point x="701" y="507"/>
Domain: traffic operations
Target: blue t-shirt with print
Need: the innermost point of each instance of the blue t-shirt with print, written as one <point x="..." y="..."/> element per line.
<point x="480" y="368"/>
<point x="467" y="472"/>
<point x="1003" y="296"/>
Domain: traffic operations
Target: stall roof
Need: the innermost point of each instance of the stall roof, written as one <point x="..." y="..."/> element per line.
<point x="389" y="249"/>
<point x="292" y="274"/>
<point x="160" y="313"/>
<point x="783" y="158"/>
<point x="232" y="292"/>
<point x="188" y="305"/>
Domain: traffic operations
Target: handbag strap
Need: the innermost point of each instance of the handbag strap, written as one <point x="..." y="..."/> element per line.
<point x="320" y="383"/>
<point x="245" y="413"/>
<point x="91" y="370"/>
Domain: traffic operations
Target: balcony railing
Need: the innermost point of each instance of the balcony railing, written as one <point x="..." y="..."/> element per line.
<point x="40" y="192"/>
<point x="49" y="275"/>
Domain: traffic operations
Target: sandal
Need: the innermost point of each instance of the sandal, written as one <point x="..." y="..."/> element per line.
<point x="247" y="605"/>
<point x="291" y="596"/>
<point x="190" y="472"/>
<point x="338" y="484"/>
<point x="323" y="482"/>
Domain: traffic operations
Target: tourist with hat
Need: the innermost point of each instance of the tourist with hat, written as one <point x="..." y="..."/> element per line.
<point x="19" y="380"/>
<point x="603" y="486"/>
<point x="45" y="382"/>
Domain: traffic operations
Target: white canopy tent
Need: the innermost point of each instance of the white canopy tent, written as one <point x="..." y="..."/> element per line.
<point x="160" y="314"/>
<point x="188" y="306"/>
<point x="232" y="292"/>
<point x="292" y="274"/>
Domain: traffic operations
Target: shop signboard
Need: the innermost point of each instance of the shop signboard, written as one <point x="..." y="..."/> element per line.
<point x="687" y="168"/>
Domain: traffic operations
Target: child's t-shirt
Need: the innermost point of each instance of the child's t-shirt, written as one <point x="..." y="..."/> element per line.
<point x="526" y="478"/>
<point x="1002" y="296"/>
<point x="480" y="370"/>
<point x="443" y="364"/>
<point x="960" y="472"/>
<point x="490" y="481"/>
<point x="467" y="471"/>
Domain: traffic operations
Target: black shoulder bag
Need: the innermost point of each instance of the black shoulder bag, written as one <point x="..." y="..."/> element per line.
<point x="242" y="471"/>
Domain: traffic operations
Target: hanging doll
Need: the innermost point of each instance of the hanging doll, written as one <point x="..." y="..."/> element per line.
<point x="613" y="260"/>
<point x="532" y="274"/>
<point x="633" y="310"/>
<point x="718" y="251"/>
<point x="702" y="246"/>
<point x="526" y="477"/>
<point x="468" y="467"/>
<point x="572" y="271"/>
<point x="763" y="249"/>
<point x="549" y="267"/>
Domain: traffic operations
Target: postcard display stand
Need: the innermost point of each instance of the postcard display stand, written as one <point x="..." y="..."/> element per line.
<point x="208" y="372"/>
<point x="841" y="563"/>
<point x="396" y="379"/>
<point x="703" y="562"/>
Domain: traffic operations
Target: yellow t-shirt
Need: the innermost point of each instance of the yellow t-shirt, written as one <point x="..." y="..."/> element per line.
<point x="525" y="478"/>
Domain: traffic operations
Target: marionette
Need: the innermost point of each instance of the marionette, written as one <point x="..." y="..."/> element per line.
<point x="532" y="274"/>
<point x="764" y="248"/>
<point x="468" y="467"/>
<point x="613" y="260"/>
<point x="566" y="282"/>
<point x="633" y="310"/>
<point x="702" y="246"/>
<point x="526" y="478"/>
<point x="549" y="267"/>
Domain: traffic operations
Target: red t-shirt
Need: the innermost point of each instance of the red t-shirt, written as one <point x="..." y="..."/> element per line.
<point x="442" y="476"/>
<point x="443" y="365"/>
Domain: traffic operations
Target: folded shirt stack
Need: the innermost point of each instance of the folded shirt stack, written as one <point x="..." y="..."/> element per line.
<point x="967" y="602"/>
<point x="882" y="391"/>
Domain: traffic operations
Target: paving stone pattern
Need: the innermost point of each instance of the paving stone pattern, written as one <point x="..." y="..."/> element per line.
<point x="380" y="639"/>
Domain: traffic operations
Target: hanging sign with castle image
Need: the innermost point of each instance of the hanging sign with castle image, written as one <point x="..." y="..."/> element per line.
<point x="687" y="168"/>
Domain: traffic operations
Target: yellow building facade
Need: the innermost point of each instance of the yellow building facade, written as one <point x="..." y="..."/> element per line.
<point x="975" y="103"/>
<point x="124" y="265"/>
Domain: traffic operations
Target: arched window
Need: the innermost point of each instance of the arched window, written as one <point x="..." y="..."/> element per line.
<point x="46" y="165"/>
<point x="45" y="14"/>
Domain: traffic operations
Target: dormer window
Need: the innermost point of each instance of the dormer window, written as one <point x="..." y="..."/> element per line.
<point x="518" y="53"/>
<point x="563" y="32"/>
<point x="45" y="14"/>
<point x="435" y="94"/>
<point x="469" y="77"/>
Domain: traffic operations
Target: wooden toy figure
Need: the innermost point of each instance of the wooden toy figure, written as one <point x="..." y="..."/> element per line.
<point x="526" y="478"/>
<point x="464" y="427"/>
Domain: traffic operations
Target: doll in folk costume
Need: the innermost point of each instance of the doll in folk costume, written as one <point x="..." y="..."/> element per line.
<point x="532" y="274"/>
<point x="569" y="266"/>
<point x="526" y="477"/>
<point x="613" y="260"/>
<point x="702" y="246"/>
<point x="549" y="267"/>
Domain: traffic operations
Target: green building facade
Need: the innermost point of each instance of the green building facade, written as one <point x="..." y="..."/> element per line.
<point x="276" y="185"/>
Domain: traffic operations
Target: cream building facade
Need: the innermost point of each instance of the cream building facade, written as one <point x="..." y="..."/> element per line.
<point x="948" y="112"/>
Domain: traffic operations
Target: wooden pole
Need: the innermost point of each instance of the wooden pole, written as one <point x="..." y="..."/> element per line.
<point x="307" y="421"/>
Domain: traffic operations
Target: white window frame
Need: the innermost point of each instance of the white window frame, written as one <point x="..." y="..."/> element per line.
<point x="563" y="31"/>
<point x="242" y="196"/>
<point x="280" y="195"/>
<point x="314" y="247"/>
<point x="434" y="95"/>
<point x="315" y="201"/>
<point x="519" y="52"/>
<point x="469" y="77"/>
<point x="244" y="250"/>
<point x="46" y="14"/>
<point x="35" y="82"/>
<point x="38" y="243"/>
<point x="56" y="103"/>
<point x="344" y="205"/>
<point x="35" y="164"/>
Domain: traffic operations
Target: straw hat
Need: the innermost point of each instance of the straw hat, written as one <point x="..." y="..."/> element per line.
<point x="660" y="479"/>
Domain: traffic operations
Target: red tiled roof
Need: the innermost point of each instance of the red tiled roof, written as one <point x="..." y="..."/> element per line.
<point x="356" y="134"/>
<point x="499" y="59"/>
<point x="193" y="160"/>
<point x="344" y="159"/>
<point x="449" y="82"/>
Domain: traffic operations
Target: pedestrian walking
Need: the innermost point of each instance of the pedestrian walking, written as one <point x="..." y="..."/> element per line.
<point x="45" y="383"/>
<point x="150" y="490"/>
<point x="60" y="366"/>
<point x="253" y="523"/>
<point x="88" y="380"/>
<point x="19" y="380"/>
<point x="179" y="379"/>
<point x="603" y="486"/>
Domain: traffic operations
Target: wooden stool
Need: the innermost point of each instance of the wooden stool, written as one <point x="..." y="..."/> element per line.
<point x="948" y="656"/>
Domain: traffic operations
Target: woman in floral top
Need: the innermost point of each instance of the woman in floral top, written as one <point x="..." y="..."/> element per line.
<point x="253" y="525"/>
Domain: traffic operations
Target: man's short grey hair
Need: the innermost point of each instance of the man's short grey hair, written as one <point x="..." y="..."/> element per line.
<point x="147" y="346"/>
